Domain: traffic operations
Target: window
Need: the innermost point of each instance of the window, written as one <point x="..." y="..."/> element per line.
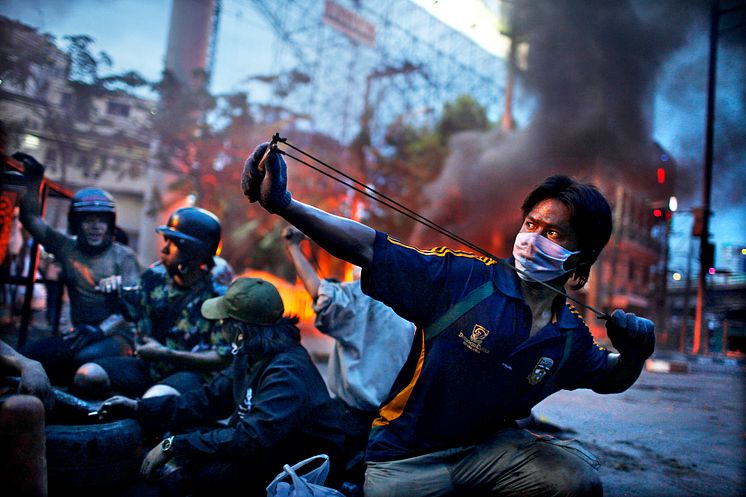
<point x="118" y="109"/>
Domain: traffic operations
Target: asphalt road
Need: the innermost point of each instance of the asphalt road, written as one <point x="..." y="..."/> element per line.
<point x="669" y="435"/>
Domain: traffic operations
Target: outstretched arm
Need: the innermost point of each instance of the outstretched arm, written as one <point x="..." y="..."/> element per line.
<point x="623" y="372"/>
<point x="30" y="204"/>
<point x="306" y="272"/>
<point x="343" y="238"/>
<point x="204" y="360"/>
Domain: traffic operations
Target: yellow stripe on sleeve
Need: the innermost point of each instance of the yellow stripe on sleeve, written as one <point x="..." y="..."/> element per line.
<point x="443" y="251"/>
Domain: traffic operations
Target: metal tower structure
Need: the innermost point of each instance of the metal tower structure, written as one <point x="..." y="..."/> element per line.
<point x="361" y="64"/>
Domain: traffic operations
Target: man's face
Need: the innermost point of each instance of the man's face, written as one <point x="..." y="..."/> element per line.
<point x="171" y="256"/>
<point x="94" y="228"/>
<point x="550" y="218"/>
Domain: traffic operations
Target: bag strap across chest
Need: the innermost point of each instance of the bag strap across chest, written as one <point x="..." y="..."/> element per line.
<point x="458" y="309"/>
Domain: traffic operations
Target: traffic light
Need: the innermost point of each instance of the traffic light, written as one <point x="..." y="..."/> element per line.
<point x="661" y="211"/>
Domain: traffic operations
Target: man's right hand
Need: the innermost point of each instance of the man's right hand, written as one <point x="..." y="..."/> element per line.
<point x="272" y="194"/>
<point x="32" y="168"/>
<point x="118" y="406"/>
<point x="151" y="350"/>
<point x="112" y="284"/>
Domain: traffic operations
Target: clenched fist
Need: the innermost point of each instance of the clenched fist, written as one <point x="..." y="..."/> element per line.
<point x="632" y="336"/>
<point x="32" y="168"/>
<point x="271" y="192"/>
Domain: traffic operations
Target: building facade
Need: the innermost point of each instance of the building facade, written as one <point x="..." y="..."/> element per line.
<point x="85" y="136"/>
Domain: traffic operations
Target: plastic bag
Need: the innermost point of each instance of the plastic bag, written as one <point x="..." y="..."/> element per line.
<point x="310" y="484"/>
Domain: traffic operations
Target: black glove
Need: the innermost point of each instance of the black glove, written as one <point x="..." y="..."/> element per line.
<point x="632" y="336"/>
<point x="82" y="336"/>
<point x="273" y="197"/>
<point x="32" y="168"/>
<point x="251" y="178"/>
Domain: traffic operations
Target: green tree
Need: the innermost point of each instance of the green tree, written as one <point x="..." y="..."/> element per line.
<point x="86" y="78"/>
<point x="417" y="159"/>
<point x="18" y="58"/>
<point x="463" y="114"/>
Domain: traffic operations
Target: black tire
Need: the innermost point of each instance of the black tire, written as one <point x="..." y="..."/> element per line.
<point x="92" y="459"/>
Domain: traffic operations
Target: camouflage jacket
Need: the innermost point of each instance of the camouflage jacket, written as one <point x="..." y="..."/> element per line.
<point x="171" y="314"/>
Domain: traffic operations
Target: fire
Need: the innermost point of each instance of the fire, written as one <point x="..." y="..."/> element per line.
<point x="295" y="297"/>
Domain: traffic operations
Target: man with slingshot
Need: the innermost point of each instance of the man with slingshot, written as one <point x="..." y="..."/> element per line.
<point x="494" y="338"/>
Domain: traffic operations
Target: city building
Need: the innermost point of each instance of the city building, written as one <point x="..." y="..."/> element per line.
<point x="85" y="136"/>
<point x="631" y="273"/>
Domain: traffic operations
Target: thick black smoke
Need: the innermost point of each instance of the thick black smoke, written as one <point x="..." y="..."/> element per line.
<point x="593" y="68"/>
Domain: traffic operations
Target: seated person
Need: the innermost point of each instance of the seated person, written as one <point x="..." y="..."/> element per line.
<point x="22" y="440"/>
<point x="177" y="348"/>
<point x="279" y="408"/>
<point x="371" y="343"/>
<point x="94" y="268"/>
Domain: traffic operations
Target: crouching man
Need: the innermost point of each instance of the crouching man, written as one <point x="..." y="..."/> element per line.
<point x="490" y="343"/>
<point x="279" y="408"/>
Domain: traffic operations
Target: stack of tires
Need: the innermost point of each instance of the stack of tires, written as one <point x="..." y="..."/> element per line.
<point x="93" y="459"/>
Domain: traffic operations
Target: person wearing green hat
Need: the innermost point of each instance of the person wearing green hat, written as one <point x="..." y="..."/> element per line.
<point x="280" y="410"/>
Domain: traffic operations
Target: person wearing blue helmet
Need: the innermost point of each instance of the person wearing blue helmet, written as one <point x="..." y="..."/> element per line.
<point x="94" y="269"/>
<point x="177" y="348"/>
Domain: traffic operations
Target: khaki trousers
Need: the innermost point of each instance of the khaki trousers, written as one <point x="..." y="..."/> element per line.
<point x="512" y="462"/>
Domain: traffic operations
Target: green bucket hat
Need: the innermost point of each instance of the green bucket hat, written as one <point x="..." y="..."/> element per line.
<point x="251" y="300"/>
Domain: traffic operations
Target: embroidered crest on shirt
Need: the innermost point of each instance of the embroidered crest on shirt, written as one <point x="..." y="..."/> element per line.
<point x="474" y="342"/>
<point x="245" y="407"/>
<point x="540" y="370"/>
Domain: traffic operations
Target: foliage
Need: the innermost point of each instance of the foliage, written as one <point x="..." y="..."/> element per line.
<point x="84" y="74"/>
<point x="17" y="59"/>
<point x="32" y="62"/>
<point x="417" y="159"/>
<point x="462" y="115"/>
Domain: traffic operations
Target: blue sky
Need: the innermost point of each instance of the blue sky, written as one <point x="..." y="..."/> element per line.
<point x="134" y="33"/>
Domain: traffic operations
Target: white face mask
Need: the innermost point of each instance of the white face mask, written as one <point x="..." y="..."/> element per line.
<point x="539" y="257"/>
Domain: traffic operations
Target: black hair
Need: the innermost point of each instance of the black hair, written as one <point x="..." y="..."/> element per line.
<point x="590" y="217"/>
<point x="260" y="341"/>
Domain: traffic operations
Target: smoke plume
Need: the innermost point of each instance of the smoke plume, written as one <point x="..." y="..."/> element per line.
<point x="592" y="67"/>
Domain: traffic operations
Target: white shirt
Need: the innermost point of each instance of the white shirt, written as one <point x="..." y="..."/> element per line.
<point x="371" y="343"/>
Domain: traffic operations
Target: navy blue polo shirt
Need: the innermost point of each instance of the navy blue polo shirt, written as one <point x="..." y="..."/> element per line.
<point x="483" y="370"/>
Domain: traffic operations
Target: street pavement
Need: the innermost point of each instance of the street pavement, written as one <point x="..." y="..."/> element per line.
<point x="671" y="434"/>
